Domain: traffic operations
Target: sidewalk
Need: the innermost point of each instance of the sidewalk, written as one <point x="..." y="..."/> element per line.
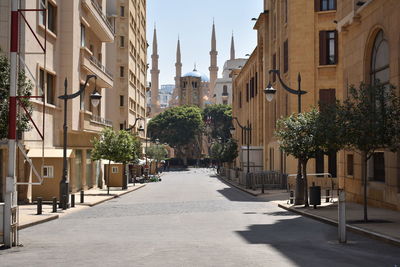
<point x="28" y="216"/>
<point x="386" y="226"/>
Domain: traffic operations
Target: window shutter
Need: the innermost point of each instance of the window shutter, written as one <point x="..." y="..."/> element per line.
<point x="336" y="47"/>
<point x="256" y="83"/>
<point x="322" y="48"/>
<point x="317" y="5"/>
<point x="326" y="97"/>
<point x="285" y="56"/>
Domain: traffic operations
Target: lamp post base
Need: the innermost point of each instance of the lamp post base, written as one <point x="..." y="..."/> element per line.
<point x="64" y="194"/>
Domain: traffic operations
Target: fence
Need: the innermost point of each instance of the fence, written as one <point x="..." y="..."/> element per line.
<point x="266" y="179"/>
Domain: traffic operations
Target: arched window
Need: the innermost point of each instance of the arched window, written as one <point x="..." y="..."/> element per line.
<point x="380" y="59"/>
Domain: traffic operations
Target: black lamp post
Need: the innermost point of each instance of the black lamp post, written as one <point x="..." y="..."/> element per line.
<point x="247" y="130"/>
<point x="269" y="95"/>
<point x="134" y="124"/>
<point x="141" y="129"/>
<point x="95" y="99"/>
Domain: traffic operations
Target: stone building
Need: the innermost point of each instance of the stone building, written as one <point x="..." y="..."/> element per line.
<point x="127" y="57"/>
<point x="370" y="49"/>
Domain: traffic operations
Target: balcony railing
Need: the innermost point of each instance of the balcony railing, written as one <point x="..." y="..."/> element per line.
<point x="96" y="62"/>
<point x="101" y="120"/>
<point x="102" y="15"/>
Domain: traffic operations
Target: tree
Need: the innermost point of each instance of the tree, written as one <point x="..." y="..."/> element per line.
<point x="297" y="136"/>
<point x="115" y="146"/>
<point x="371" y="120"/>
<point x="157" y="152"/>
<point x="179" y="127"/>
<point x="219" y="119"/>
<point x="24" y="89"/>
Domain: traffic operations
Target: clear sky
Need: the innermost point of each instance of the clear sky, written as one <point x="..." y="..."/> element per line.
<point x="192" y="21"/>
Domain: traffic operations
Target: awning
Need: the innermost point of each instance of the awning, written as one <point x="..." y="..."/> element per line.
<point x="48" y="153"/>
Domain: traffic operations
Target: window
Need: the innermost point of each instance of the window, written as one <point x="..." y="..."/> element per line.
<point x="121" y="100"/>
<point x="285" y="56"/>
<point x="285" y="10"/>
<point x="271" y="159"/>
<point x="324" y="5"/>
<point x="122" y="11"/>
<point x="50" y="90"/>
<point x="328" y="47"/>
<point x="48" y="172"/>
<point x="41" y="81"/>
<point x="121" y="126"/>
<point x="326" y="97"/>
<point x="350" y="165"/>
<point x="51" y="15"/>
<point x="83" y="36"/>
<point x="121" y="71"/>
<point x="225" y="89"/>
<point x="240" y="99"/>
<point x="256" y="83"/>
<point x="114" y="169"/>
<point x="380" y="60"/>
<point x="247" y="92"/>
<point x="379" y="166"/>
<point x="122" y="41"/>
<point x="274" y="67"/>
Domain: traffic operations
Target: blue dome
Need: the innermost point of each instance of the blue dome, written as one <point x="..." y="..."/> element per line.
<point x="198" y="74"/>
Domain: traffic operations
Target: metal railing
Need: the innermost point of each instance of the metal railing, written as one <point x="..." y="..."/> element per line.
<point x="266" y="180"/>
<point x="101" y="120"/>
<point x="98" y="64"/>
<point x="102" y="15"/>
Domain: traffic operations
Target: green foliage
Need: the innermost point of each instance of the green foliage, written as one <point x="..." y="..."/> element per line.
<point x="118" y="146"/>
<point x="297" y="134"/>
<point x="157" y="152"/>
<point x="177" y="126"/>
<point x="371" y="118"/>
<point x="224" y="152"/>
<point x="219" y="119"/>
<point x="24" y="89"/>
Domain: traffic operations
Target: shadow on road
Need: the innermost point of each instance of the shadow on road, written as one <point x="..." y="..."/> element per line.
<point x="314" y="244"/>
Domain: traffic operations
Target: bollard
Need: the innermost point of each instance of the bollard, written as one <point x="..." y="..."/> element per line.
<point x="54" y="204"/>
<point x="342" y="217"/>
<point x="327" y="196"/>
<point x="39" y="205"/>
<point x="262" y="187"/>
<point x="64" y="202"/>
<point x="291" y="197"/>
<point x="82" y="196"/>
<point x="72" y="200"/>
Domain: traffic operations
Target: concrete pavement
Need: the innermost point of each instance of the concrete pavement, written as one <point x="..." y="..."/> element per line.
<point x="386" y="229"/>
<point x="28" y="213"/>
<point x="192" y="219"/>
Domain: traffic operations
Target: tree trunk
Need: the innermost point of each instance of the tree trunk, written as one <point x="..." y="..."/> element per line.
<point x="304" y="165"/>
<point x="108" y="178"/>
<point x="364" y="175"/>
<point x="299" y="189"/>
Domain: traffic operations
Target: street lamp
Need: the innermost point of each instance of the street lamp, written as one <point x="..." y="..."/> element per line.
<point x="141" y="129"/>
<point x="95" y="100"/>
<point x="134" y="124"/>
<point x="269" y="95"/>
<point x="247" y="130"/>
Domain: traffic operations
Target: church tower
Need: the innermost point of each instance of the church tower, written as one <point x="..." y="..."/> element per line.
<point x="155" y="73"/>
<point x="178" y="73"/>
<point x="232" y="49"/>
<point x="213" y="62"/>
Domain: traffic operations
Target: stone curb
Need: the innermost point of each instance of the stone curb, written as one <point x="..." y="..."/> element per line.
<point x="56" y="216"/>
<point x="236" y="186"/>
<point x="352" y="228"/>
<point x="47" y="219"/>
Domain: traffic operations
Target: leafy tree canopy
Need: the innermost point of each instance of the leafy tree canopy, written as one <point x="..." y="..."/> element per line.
<point x="24" y="89"/>
<point x="225" y="152"/>
<point x="219" y="118"/>
<point x="118" y="146"/>
<point x="157" y="152"/>
<point x="371" y="118"/>
<point x="177" y="126"/>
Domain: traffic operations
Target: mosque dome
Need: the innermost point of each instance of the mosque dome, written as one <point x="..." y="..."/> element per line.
<point x="195" y="73"/>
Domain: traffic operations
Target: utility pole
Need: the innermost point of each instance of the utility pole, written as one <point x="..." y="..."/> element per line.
<point x="10" y="198"/>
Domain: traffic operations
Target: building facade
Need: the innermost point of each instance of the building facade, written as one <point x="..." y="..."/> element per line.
<point x="127" y="56"/>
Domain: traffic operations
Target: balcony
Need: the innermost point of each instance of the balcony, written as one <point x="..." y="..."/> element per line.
<point x="93" y="66"/>
<point x="89" y="122"/>
<point x="98" y="21"/>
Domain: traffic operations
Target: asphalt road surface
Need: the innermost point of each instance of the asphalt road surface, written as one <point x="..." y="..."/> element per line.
<point x="191" y="219"/>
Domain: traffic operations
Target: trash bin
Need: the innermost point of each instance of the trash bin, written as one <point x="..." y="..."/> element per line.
<point x="315" y="196"/>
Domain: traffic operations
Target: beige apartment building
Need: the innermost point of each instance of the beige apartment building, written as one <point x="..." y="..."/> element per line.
<point x="126" y="103"/>
<point x="331" y="44"/>
<point x="76" y="33"/>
